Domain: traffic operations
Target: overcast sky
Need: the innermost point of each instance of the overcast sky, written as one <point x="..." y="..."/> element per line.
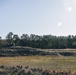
<point x="41" y="17"/>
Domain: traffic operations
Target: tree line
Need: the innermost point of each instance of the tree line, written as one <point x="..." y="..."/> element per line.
<point x="37" y="41"/>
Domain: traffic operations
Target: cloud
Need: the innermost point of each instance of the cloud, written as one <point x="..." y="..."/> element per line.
<point x="60" y="24"/>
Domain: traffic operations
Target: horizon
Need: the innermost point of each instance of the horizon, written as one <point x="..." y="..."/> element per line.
<point x="37" y="34"/>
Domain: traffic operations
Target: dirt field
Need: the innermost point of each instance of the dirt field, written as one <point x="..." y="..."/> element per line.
<point x="53" y="62"/>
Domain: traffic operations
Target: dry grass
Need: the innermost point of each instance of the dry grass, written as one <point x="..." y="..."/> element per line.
<point x="53" y="62"/>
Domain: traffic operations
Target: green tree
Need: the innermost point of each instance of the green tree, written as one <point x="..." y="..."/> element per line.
<point x="16" y="40"/>
<point x="0" y="42"/>
<point x="9" y="38"/>
<point x="24" y="40"/>
<point x="74" y="44"/>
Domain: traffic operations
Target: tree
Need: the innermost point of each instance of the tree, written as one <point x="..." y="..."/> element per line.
<point x="0" y="42"/>
<point x="69" y="41"/>
<point x="24" y="40"/>
<point x="74" y="44"/>
<point x="25" y="36"/>
<point x="9" y="38"/>
<point x="16" y="39"/>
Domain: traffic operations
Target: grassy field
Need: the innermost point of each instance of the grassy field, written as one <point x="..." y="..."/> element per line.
<point x="52" y="62"/>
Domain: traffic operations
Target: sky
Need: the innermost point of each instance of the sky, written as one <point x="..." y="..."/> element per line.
<point x="40" y="17"/>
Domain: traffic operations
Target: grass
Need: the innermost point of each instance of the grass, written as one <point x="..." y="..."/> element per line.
<point x="52" y="62"/>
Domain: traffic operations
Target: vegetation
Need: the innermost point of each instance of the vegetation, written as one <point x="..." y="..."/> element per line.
<point x="20" y="70"/>
<point x="58" y="64"/>
<point x="38" y="65"/>
<point x="36" y="41"/>
<point x="28" y="51"/>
